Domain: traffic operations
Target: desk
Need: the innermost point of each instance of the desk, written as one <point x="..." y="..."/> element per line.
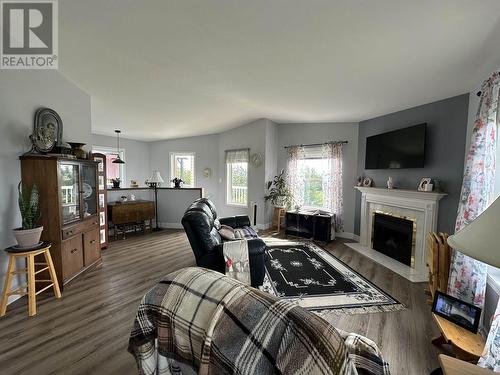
<point x="130" y="213"/>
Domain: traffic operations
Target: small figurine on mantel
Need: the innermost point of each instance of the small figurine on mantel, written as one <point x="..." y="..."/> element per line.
<point x="390" y="183"/>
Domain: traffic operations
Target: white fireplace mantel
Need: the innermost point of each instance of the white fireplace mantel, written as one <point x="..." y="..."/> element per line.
<point x="423" y="206"/>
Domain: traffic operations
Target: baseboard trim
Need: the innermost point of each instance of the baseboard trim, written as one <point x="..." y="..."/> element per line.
<point x="347" y="235"/>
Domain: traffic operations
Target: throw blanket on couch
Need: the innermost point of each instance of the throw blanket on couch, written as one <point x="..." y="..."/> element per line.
<point x="237" y="260"/>
<point x="217" y="325"/>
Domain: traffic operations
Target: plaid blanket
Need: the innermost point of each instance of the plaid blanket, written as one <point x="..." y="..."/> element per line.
<point x="216" y="325"/>
<point x="246" y="233"/>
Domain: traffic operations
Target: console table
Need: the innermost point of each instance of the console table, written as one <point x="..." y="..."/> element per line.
<point x="308" y="225"/>
<point x="123" y="214"/>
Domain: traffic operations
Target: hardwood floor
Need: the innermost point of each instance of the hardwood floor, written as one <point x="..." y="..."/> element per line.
<point x="86" y="332"/>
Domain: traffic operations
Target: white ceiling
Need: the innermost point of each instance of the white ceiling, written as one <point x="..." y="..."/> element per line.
<point x="161" y="69"/>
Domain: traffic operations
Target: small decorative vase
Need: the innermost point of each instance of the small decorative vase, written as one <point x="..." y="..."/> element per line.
<point x="77" y="150"/>
<point x="116" y="184"/>
<point x="390" y="183"/>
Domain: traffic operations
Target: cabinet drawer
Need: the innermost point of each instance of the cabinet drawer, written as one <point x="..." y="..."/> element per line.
<point x="72" y="256"/>
<point x="91" y="248"/>
<point x="75" y="229"/>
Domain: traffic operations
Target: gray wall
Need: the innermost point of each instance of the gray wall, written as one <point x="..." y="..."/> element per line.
<point x="446" y="132"/>
<point x="21" y="93"/>
<point x="291" y="134"/>
<point x="207" y="156"/>
<point x="252" y="136"/>
<point x="136" y="157"/>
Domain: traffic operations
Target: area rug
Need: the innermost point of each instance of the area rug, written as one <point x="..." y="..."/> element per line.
<point x="304" y="273"/>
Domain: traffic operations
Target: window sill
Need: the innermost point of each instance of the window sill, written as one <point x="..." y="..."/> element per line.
<point x="236" y="205"/>
<point x="494" y="279"/>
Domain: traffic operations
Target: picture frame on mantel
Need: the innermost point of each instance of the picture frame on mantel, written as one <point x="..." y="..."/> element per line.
<point x="425" y="184"/>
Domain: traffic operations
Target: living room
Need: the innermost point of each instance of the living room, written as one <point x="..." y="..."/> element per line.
<point x="237" y="99"/>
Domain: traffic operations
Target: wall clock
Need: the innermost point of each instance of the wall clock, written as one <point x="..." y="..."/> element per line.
<point x="257" y="159"/>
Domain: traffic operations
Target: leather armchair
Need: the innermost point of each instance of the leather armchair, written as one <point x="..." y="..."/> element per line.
<point x="199" y="222"/>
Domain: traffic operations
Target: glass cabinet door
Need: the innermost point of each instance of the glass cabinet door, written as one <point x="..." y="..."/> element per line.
<point x="89" y="190"/>
<point x="70" y="192"/>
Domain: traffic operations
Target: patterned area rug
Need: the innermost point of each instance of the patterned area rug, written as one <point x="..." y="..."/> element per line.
<point x="304" y="273"/>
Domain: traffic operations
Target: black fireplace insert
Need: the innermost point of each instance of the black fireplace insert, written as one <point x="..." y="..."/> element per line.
<point x="393" y="236"/>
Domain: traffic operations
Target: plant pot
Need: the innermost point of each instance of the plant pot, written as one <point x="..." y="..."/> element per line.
<point x="116" y="184"/>
<point x="28" y="237"/>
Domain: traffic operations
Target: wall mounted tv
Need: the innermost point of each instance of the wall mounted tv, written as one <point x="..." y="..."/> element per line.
<point x="402" y="148"/>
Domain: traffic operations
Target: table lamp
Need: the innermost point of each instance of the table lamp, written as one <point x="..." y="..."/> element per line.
<point x="481" y="238"/>
<point x="153" y="182"/>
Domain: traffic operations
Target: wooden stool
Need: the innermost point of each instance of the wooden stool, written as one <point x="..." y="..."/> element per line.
<point x="30" y="270"/>
<point x="279" y="217"/>
<point x="466" y="345"/>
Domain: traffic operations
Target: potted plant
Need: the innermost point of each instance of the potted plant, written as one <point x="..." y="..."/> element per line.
<point x="29" y="234"/>
<point x="177" y="182"/>
<point x="279" y="193"/>
<point x="116" y="183"/>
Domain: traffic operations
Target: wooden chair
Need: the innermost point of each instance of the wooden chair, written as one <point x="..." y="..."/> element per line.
<point x="31" y="271"/>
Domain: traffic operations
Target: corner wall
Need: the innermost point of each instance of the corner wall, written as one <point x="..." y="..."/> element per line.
<point x="446" y="132"/>
<point x="22" y="93"/>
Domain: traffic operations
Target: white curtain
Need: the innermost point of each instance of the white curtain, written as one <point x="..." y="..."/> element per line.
<point x="332" y="183"/>
<point x="481" y="163"/>
<point x="237" y="156"/>
<point x="295" y="180"/>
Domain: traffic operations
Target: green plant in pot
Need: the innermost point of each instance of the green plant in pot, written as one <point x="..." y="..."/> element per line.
<point x="29" y="206"/>
<point x="279" y="193"/>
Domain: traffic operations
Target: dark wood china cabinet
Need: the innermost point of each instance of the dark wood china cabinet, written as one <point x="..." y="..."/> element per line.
<point x="69" y="206"/>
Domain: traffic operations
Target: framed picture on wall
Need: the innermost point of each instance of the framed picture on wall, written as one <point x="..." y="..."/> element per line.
<point x="102" y="233"/>
<point x="101" y="182"/>
<point x="100" y="166"/>
<point x="101" y="200"/>
<point x="102" y="218"/>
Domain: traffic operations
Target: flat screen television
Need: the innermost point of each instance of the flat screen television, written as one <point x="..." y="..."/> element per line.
<point x="402" y="148"/>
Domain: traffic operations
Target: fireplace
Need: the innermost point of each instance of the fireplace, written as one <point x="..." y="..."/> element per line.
<point x="394" y="236"/>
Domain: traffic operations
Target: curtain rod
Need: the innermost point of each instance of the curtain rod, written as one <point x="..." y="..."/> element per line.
<point x="318" y="144"/>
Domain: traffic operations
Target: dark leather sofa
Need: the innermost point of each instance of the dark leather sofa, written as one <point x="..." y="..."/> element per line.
<point x="199" y="222"/>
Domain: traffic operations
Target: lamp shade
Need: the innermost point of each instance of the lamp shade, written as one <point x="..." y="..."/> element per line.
<point x="481" y="238"/>
<point x="156" y="177"/>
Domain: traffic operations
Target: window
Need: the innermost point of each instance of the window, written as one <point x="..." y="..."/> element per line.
<point x="237" y="177"/>
<point x="112" y="170"/>
<point x="182" y="166"/>
<point x="313" y="169"/>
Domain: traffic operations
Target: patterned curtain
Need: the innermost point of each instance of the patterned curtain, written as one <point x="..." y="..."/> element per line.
<point x="295" y="180"/>
<point x="332" y="183"/>
<point x="467" y="279"/>
<point x="489" y="119"/>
